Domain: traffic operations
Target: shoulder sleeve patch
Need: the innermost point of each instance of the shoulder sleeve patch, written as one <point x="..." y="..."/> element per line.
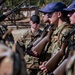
<point x="65" y="31"/>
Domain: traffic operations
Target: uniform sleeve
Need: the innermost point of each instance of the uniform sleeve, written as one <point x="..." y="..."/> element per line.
<point x="70" y="65"/>
<point x="25" y="34"/>
<point x="65" y="32"/>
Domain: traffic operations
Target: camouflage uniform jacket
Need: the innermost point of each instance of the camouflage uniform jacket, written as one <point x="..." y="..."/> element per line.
<point x="29" y="38"/>
<point x="57" y="36"/>
<point x="70" y="67"/>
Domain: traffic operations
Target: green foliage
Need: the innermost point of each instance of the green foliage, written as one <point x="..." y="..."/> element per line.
<point x="67" y="2"/>
<point x="13" y="3"/>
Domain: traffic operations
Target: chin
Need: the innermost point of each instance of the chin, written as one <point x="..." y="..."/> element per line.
<point x="51" y="23"/>
<point x="72" y="23"/>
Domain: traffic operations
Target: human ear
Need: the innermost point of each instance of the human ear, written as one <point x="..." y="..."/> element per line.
<point x="59" y="14"/>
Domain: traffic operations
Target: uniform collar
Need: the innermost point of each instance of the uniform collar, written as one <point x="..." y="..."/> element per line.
<point x="59" y="28"/>
<point x="34" y="34"/>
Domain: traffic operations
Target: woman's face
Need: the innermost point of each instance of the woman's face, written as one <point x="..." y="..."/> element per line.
<point x="53" y="17"/>
<point x="71" y="16"/>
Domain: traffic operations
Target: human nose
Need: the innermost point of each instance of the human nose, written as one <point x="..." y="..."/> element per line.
<point x="68" y="15"/>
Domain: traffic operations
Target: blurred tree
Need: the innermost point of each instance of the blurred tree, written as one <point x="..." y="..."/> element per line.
<point x="12" y="3"/>
<point x="67" y="2"/>
<point x="40" y="3"/>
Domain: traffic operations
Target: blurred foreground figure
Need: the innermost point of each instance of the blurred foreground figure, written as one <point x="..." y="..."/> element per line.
<point x="10" y="63"/>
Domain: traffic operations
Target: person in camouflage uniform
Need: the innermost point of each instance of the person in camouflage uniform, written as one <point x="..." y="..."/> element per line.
<point x="62" y="27"/>
<point x="28" y="38"/>
<point x="70" y="68"/>
<point x="34" y="32"/>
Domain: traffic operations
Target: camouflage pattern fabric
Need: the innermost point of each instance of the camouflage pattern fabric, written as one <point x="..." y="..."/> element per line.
<point x="32" y="62"/>
<point x="70" y="68"/>
<point x="28" y="38"/>
<point x="57" y="37"/>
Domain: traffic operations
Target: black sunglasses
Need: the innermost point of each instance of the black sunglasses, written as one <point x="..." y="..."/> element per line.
<point x="50" y="14"/>
<point x="37" y="22"/>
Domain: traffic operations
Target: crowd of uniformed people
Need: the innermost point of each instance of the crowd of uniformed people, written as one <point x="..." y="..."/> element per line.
<point x="49" y="51"/>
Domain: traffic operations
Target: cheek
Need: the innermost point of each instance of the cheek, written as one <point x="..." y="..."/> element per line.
<point x="33" y="26"/>
<point x="53" y="19"/>
<point x="37" y="27"/>
<point x="45" y="18"/>
<point x="72" y="19"/>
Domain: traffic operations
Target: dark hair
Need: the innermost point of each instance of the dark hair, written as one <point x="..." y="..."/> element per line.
<point x="35" y="19"/>
<point x="65" y="17"/>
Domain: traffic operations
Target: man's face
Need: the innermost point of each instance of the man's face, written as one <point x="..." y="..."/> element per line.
<point x="71" y="16"/>
<point x="53" y="17"/>
<point x="34" y="25"/>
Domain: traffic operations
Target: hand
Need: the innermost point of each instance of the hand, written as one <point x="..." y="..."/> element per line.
<point x="35" y="53"/>
<point x="43" y="67"/>
<point x="31" y="52"/>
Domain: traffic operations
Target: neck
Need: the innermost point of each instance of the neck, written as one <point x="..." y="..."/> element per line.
<point x="60" y="22"/>
<point x="34" y="30"/>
